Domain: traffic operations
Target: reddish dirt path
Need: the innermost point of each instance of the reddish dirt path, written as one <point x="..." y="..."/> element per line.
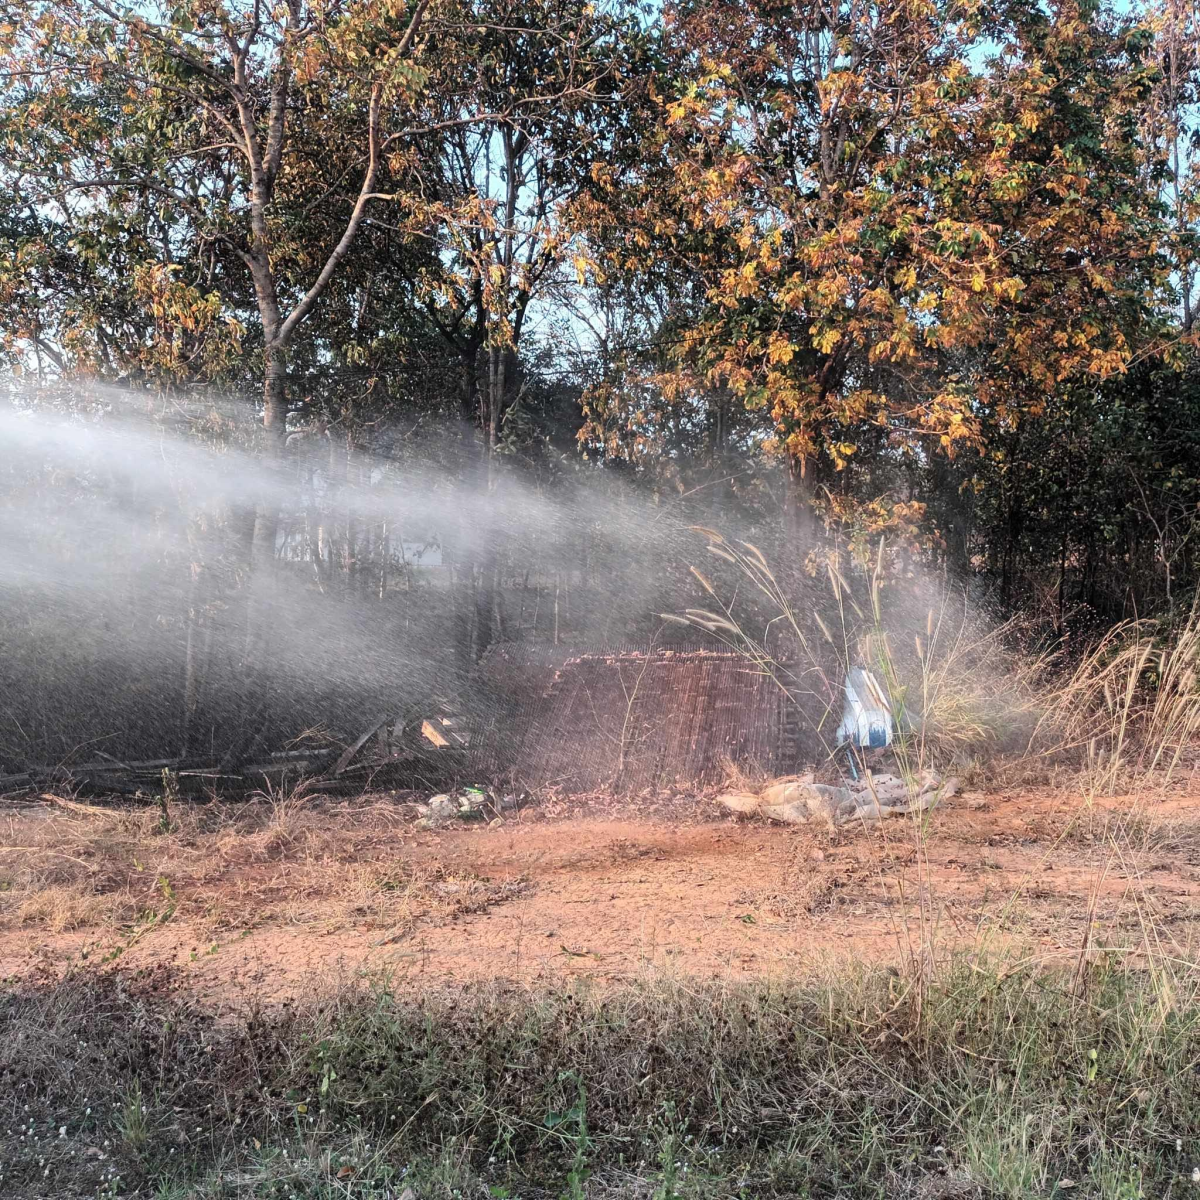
<point x="604" y="895"/>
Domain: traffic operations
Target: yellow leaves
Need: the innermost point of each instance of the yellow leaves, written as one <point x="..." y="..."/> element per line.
<point x="737" y="285"/>
<point x="865" y="521"/>
<point x="877" y="300"/>
<point x="185" y="319"/>
<point x="906" y="249"/>
<point x="678" y="111"/>
<point x="1108" y="362"/>
<point x="831" y="289"/>
<point x="793" y="292"/>
<point x="1003" y="134"/>
<point x="1010" y="288"/>
<point x="824" y="339"/>
<point x="716" y="69"/>
<point x="602" y="175"/>
<point x="779" y="349"/>
<point x="841" y="452"/>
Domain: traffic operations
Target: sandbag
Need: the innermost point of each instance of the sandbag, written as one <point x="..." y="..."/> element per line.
<point x="800" y="801"/>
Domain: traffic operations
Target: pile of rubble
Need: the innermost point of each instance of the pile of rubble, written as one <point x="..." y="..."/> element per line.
<point x="471" y="804"/>
<point x="799" y="800"/>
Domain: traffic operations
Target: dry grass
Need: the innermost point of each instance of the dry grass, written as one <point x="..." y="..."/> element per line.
<point x="288" y="858"/>
<point x="955" y="685"/>
<point x="1124" y="716"/>
<point x="998" y="1080"/>
<point x="953" y="1077"/>
<point x="57" y="908"/>
<point x="1130" y="707"/>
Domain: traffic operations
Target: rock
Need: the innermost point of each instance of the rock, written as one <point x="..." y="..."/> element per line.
<point x="784" y="791"/>
<point x="442" y="807"/>
<point x="870" y="809"/>
<point x="888" y="796"/>
<point x="800" y="801"/>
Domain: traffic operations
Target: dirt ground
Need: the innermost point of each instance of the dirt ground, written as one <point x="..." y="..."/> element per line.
<point x="266" y="901"/>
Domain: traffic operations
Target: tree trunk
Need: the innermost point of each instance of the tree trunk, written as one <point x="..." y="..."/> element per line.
<point x="800" y="515"/>
<point x="385" y="550"/>
<point x="266" y="517"/>
<point x="191" y="685"/>
<point x="262" y="557"/>
<point x="485" y="592"/>
<point x="460" y="556"/>
<point x="352" y="547"/>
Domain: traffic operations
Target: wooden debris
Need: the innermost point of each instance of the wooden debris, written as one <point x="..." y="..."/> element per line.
<point x="433" y="735"/>
<point x="347" y="756"/>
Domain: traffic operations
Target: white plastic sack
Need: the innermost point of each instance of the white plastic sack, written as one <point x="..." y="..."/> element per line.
<point x="866" y="715"/>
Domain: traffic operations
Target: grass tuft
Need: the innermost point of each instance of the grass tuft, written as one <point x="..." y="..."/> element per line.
<point x="987" y="1080"/>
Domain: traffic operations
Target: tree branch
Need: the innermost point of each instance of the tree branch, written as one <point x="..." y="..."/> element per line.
<point x="339" y="252"/>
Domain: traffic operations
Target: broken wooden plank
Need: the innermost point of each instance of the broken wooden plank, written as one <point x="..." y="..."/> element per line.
<point x="432" y="734"/>
<point x="344" y="761"/>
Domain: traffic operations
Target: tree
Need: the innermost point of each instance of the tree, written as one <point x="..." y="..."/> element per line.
<point x="522" y="98"/>
<point x="897" y="216"/>
<point x="191" y="109"/>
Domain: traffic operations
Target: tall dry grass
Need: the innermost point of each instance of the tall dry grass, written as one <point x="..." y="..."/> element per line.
<point x="963" y="687"/>
<point x="1129" y="708"/>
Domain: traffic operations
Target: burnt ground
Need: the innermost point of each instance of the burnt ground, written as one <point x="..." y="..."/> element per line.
<point x="262" y="902"/>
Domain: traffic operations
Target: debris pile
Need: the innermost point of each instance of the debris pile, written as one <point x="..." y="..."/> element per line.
<point x="428" y="744"/>
<point x="800" y="800"/>
<point x="471" y="804"/>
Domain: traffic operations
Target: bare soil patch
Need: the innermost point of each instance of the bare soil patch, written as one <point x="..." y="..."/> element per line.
<point x="256" y="902"/>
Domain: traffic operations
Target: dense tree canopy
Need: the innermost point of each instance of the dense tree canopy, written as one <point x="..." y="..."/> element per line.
<point x="924" y="267"/>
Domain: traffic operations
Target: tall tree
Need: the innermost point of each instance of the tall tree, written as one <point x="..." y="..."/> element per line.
<point x="192" y="108"/>
<point x="897" y="214"/>
<point x="521" y="101"/>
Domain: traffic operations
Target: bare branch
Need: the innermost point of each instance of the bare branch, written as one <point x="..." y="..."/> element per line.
<point x="339" y="252"/>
